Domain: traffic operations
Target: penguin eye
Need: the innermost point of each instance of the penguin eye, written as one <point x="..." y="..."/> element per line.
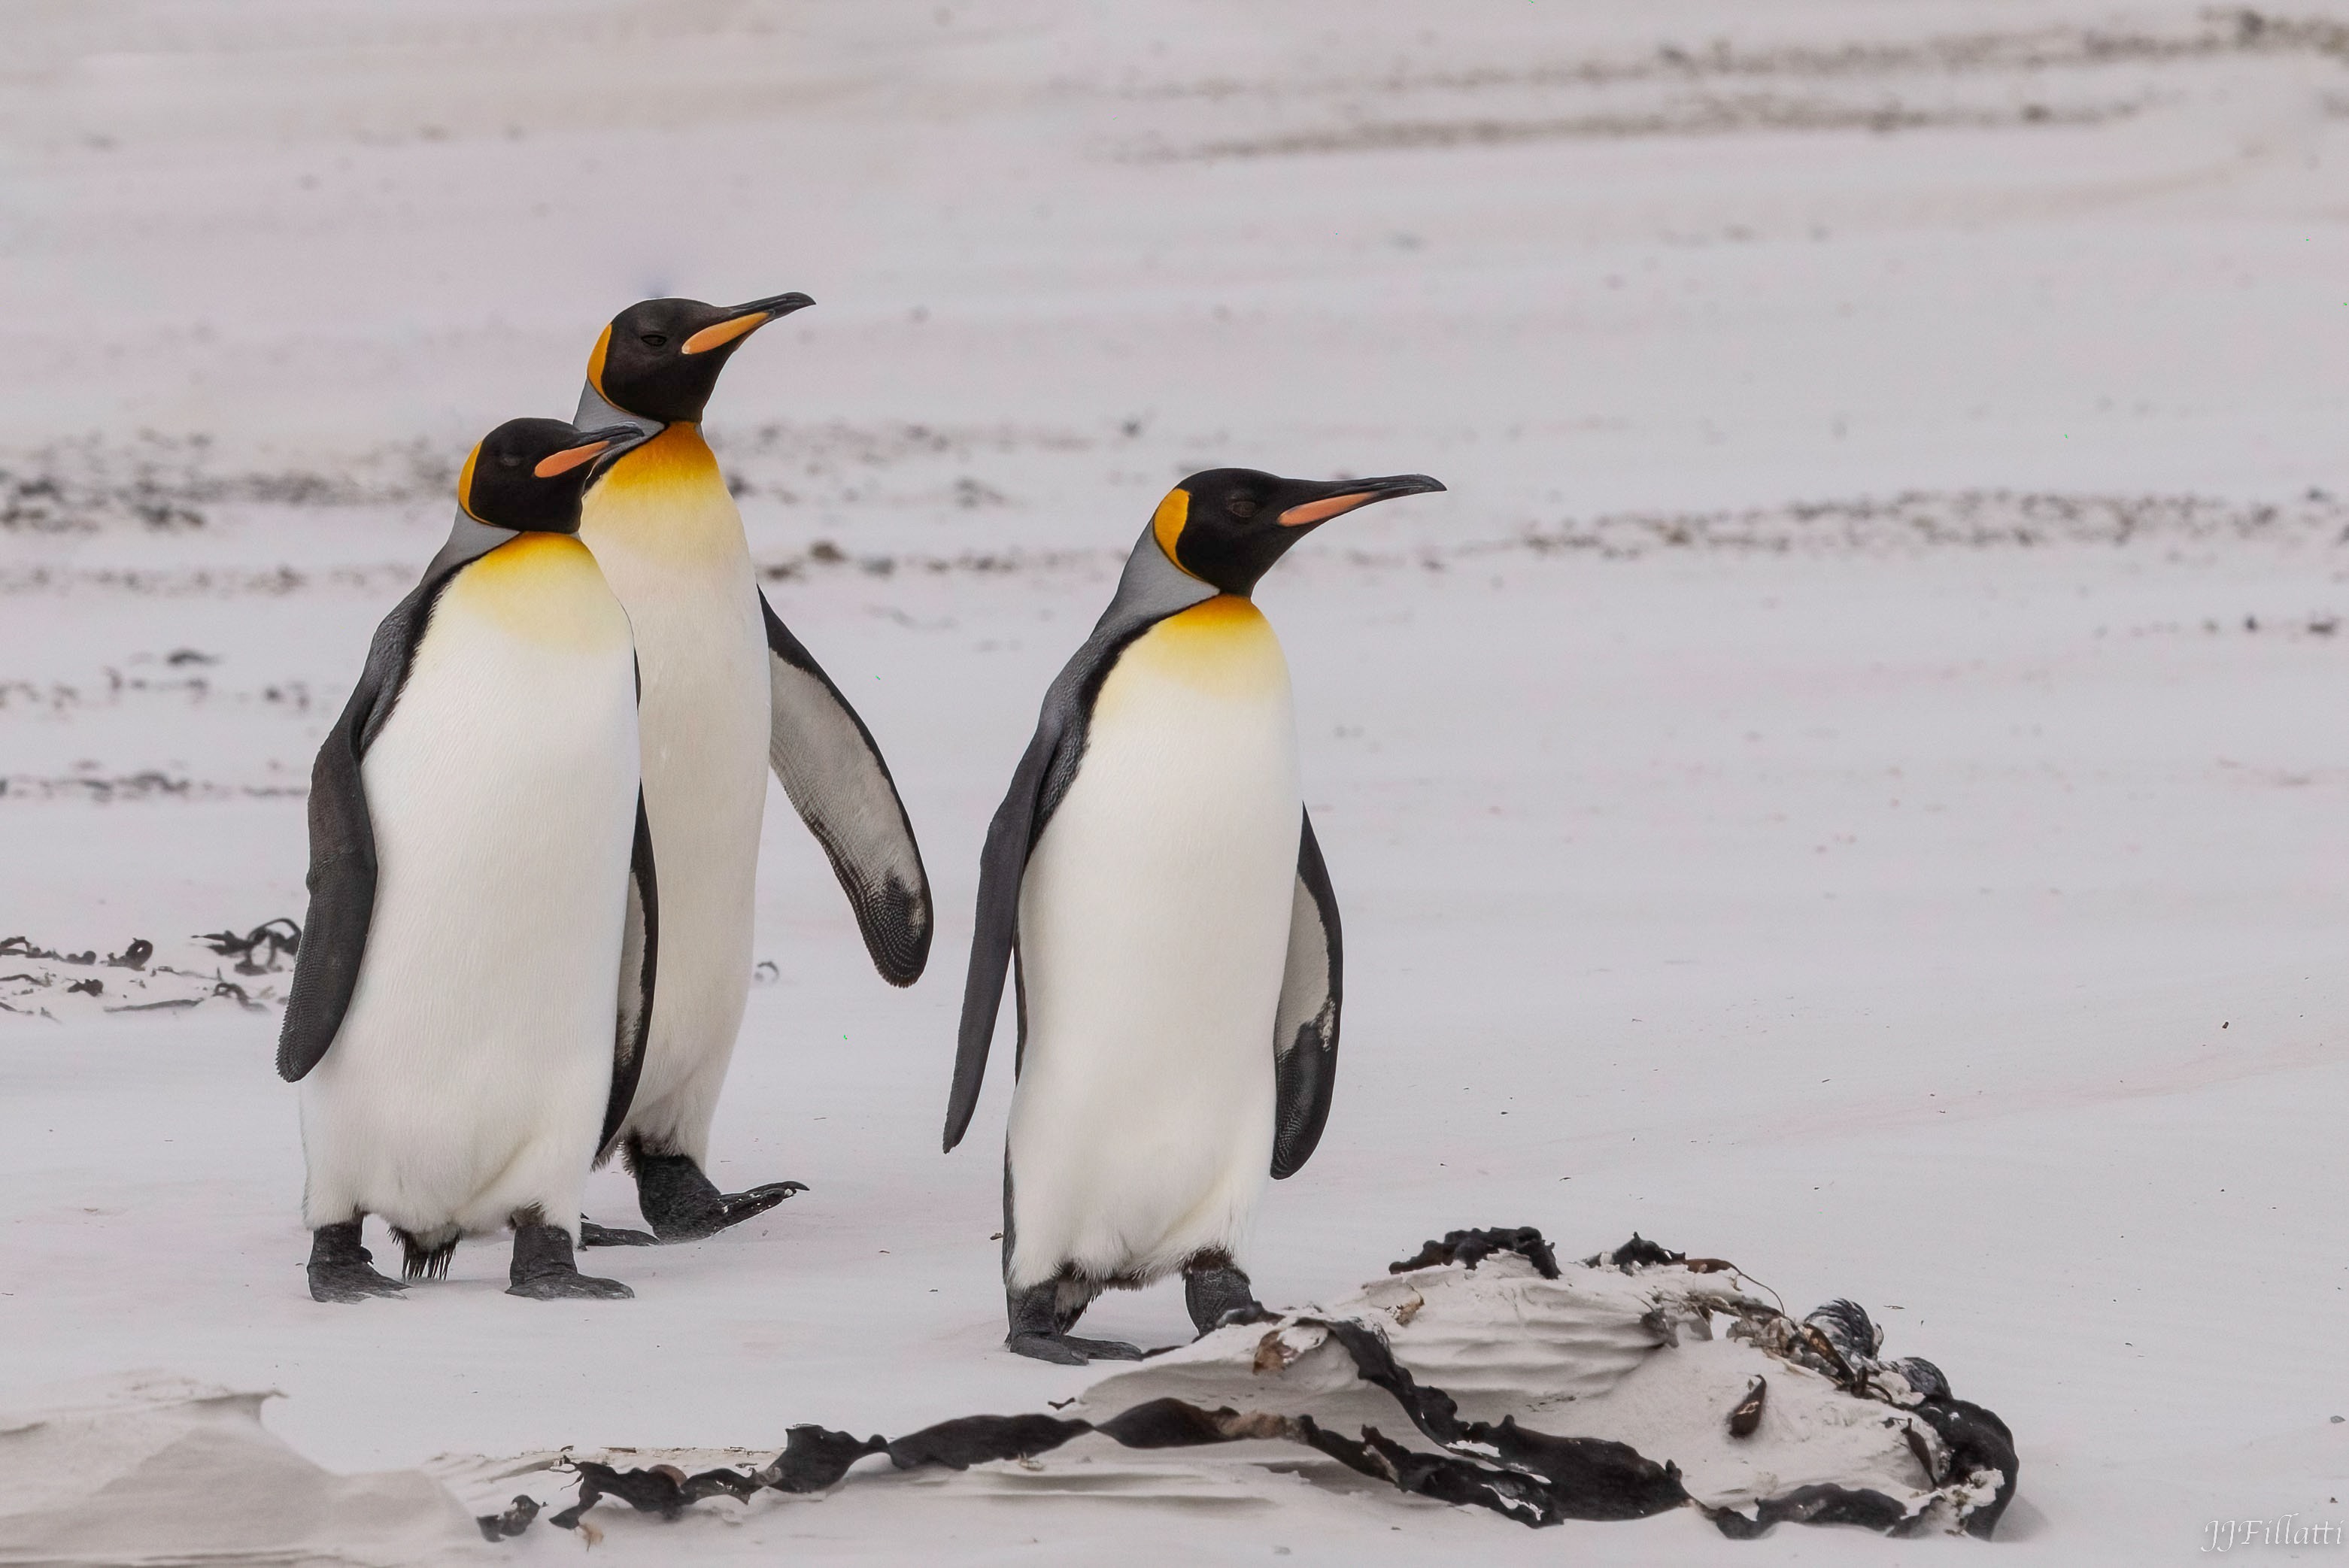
<point x="1241" y="506"/>
<point x="509" y="459"/>
<point x="654" y="339"/>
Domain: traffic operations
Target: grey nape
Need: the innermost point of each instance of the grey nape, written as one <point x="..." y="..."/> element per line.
<point x="544" y="1270"/>
<point x="1040" y="1325"/>
<point x="340" y="1266"/>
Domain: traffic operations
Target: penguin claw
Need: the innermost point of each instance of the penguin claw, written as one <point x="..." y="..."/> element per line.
<point x="1067" y="1350"/>
<point x="1105" y="1349"/>
<point x="346" y="1283"/>
<point x="1049" y="1347"/>
<point x="544" y="1270"/>
<point x="683" y="1205"/>
<point x="338" y="1267"/>
<point x="592" y="1234"/>
<point x="730" y="1209"/>
<point x="572" y="1285"/>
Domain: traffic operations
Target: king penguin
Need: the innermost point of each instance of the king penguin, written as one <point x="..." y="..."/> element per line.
<point x="1152" y="880"/>
<point x="475" y="981"/>
<point x="729" y="692"/>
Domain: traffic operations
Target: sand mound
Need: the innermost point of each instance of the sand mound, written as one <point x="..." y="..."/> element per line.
<point x="149" y="1471"/>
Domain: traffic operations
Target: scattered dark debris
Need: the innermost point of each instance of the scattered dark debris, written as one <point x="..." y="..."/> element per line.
<point x="1636" y="1252"/>
<point x="1748" y="1414"/>
<point x="1976" y="518"/>
<point x="1844" y="1338"/>
<point x="269" y="943"/>
<point x="20" y="947"/>
<point x="1711" y="116"/>
<point x="163" y="484"/>
<point x="147" y="784"/>
<point x="511" y="1522"/>
<point x="1469" y="1248"/>
<point x="236" y="994"/>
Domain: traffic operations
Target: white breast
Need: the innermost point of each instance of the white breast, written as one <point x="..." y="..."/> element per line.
<point x="470" y="1075"/>
<point x="1153" y="924"/>
<point x="670" y="539"/>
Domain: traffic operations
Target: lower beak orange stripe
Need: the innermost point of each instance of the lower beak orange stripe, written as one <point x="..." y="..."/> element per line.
<point x="724" y="333"/>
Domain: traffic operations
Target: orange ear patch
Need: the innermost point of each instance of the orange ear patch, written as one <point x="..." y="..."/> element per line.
<point x="465" y="482"/>
<point x="1167" y="522"/>
<point x="595" y="359"/>
<point x="1322" y="510"/>
<point x="563" y="461"/>
<point x="724" y="333"/>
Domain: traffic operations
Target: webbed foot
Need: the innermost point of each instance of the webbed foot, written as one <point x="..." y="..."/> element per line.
<point x="683" y="1205"/>
<point x="542" y="1268"/>
<point x="1067" y="1350"/>
<point x="1042" y="1316"/>
<point x="592" y="1234"/>
<point x="1213" y="1287"/>
<point x="340" y="1267"/>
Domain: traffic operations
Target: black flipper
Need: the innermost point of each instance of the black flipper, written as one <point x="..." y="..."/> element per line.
<point x="639" y="958"/>
<point x="1305" y="1029"/>
<point x="342" y="838"/>
<point x="1152" y="589"/>
<point x="840" y="786"/>
<point x="1001" y="866"/>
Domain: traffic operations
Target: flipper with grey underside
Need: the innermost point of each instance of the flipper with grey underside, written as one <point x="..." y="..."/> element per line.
<point x="1305" y="1029"/>
<point x="837" y="781"/>
<point x="1152" y="589"/>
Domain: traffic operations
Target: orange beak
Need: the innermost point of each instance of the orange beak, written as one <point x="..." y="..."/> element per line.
<point x="570" y="458"/>
<point x="1347" y="494"/>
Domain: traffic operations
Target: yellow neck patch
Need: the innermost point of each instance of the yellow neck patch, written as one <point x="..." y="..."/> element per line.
<point x="465" y="482"/>
<point x="544" y="588"/>
<point x="675" y="458"/>
<point x="1167" y="522"/>
<point x="596" y="361"/>
<point x="666" y="501"/>
<point x="1221" y="646"/>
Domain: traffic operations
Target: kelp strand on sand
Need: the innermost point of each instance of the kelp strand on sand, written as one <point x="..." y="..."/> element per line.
<point x="1529" y="1476"/>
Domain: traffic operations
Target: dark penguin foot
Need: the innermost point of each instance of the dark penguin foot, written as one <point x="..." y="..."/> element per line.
<point x="592" y="1234"/>
<point x="542" y="1268"/>
<point x="1067" y="1350"/>
<point x="683" y="1205"/>
<point x="1213" y="1286"/>
<point x="339" y="1267"/>
<point x="1041" y="1320"/>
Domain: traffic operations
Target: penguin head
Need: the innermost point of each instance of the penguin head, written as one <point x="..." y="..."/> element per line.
<point x="1227" y="526"/>
<point x="660" y="359"/>
<point x="528" y="475"/>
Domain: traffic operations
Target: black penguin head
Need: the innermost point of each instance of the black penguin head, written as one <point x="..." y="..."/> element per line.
<point x="1227" y="526"/>
<point x="529" y="474"/>
<point x="660" y="359"/>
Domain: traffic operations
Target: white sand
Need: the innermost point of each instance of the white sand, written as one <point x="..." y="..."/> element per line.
<point x="1957" y="928"/>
